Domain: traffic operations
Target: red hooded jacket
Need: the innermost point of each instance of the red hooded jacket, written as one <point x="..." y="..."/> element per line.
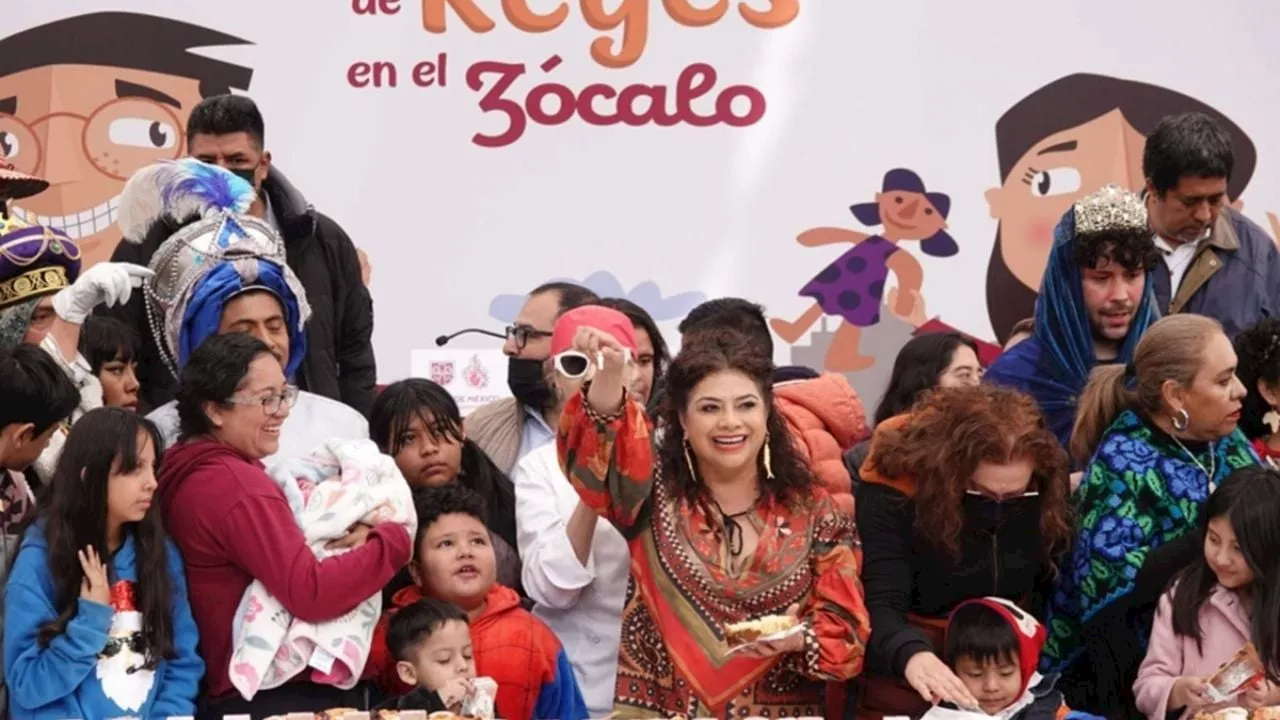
<point x="233" y="526"/>
<point x="509" y="644"/>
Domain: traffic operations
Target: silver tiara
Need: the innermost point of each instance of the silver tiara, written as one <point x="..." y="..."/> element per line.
<point x="1111" y="209"/>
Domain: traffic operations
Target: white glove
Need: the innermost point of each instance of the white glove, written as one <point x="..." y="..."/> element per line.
<point x="106" y="283"/>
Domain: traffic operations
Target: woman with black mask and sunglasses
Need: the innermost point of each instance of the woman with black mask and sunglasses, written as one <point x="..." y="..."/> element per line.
<point x="964" y="496"/>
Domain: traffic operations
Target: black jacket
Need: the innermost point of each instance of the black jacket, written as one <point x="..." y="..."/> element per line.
<point x="340" y="362"/>
<point x="1000" y="554"/>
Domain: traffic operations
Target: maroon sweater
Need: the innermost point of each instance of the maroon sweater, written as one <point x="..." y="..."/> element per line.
<point x="233" y="526"/>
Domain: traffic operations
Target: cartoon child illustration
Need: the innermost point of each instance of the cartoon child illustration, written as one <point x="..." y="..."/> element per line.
<point x="1067" y="139"/>
<point x="852" y="287"/>
<point x="87" y="100"/>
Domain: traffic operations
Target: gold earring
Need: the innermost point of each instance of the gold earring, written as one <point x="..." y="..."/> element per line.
<point x="688" y="458"/>
<point x="1272" y="420"/>
<point x="768" y="459"/>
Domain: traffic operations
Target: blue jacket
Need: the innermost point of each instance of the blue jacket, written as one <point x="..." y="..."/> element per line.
<point x="74" y="677"/>
<point x="1234" y="278"/>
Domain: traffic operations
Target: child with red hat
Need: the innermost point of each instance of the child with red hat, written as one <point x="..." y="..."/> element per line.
<point x="994" y="646"/>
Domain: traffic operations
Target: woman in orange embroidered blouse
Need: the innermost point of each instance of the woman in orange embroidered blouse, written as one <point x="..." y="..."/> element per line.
<point x="725" y="524"/>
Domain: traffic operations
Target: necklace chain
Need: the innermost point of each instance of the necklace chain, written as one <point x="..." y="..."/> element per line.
<point x="1213" y="461"/>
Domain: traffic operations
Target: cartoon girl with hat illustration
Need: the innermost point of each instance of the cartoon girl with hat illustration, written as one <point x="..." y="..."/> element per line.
<point x="852" y="287"/>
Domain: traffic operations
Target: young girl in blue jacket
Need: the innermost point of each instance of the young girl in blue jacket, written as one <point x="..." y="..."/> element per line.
<point x="96" y="618"/>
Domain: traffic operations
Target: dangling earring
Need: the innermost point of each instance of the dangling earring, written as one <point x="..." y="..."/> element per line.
<point x="1181" y="420"/>
<point x="1272" y="420"/>
<point x="688" y="458"/>
<point x="768" y="459"/>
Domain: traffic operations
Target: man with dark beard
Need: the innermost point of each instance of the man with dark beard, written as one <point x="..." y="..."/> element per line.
<point x="1094" y="304"/>
<point x="510" y="428"/>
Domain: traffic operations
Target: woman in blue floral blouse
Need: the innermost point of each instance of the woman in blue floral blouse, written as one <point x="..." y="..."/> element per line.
<point x="1157" y="435"/>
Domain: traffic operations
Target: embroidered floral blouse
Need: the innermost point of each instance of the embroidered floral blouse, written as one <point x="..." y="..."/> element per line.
<point x="672" y="657"/>
<point x="1141" y="490"/>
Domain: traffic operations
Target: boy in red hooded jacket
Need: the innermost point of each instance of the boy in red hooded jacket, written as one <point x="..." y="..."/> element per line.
<point x="993" y="646"/>
<point x="454" y="562"/>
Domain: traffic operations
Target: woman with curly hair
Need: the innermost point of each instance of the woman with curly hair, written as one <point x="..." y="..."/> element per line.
<point x="1259" y="371"/>
<point x="965" y="496"/>
<point x="1158" y="435"/>
<point x="725" y="524"/>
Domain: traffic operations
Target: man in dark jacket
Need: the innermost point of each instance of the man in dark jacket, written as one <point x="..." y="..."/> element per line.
<point x="228" y="130"/>
<point x="1217" y="262"/>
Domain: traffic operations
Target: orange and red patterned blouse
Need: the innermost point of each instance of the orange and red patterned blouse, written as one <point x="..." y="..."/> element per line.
<point x="681" y="593"/>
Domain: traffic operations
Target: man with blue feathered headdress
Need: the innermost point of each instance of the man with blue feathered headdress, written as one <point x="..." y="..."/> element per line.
<point x="1095" y="302"/>
<point x="219" y="271"/>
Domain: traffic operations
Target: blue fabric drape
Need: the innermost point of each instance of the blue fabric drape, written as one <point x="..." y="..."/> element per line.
<point x="204" y="311"/>
<point x="1053" y="366"/>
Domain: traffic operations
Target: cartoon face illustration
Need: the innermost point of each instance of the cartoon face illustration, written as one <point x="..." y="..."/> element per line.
<point x="909" y="215"/>
<point x="87" y="100"/>
<point x="121" y="667"/>
<point x="1058" y="144"/>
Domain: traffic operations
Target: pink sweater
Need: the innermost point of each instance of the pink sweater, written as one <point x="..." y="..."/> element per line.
<point x="1224" y="627"/>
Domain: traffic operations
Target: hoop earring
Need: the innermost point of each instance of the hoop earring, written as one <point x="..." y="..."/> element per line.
<point x="768" y="459"/>
<point x="1181" y="420"/>
<point x="688" y="458"/>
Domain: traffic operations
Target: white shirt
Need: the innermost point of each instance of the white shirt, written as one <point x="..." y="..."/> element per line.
<point x="582" y="604"/>
<point x="312" y="420"/>
<point x="1178" y="260"/>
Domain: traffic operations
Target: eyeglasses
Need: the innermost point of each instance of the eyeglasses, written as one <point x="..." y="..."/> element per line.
<point x="119" y="137"/>
<point x="520" y="334"/>
<point x="574" y="364"/>
<point x="1003" y="498"/>
<point x="116" y="644"/>
<point x="271" y="404"/>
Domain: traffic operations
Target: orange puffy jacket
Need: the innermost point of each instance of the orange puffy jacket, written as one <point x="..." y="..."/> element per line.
<point x="826" y="419"/>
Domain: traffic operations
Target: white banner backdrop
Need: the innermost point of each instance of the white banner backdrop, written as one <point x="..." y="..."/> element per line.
<point x="668" y="151"/>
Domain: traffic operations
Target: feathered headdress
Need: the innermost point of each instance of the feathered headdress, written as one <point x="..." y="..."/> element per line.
<point x="214" y="252"/>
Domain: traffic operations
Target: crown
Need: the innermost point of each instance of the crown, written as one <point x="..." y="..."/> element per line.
<point x="1111" y="209"/>
<point x="32" y="283"/>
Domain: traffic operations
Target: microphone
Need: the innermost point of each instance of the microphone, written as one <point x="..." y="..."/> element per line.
<point x="446" y="339"/>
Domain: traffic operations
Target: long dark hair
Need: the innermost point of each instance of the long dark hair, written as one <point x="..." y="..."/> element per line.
<point x="401" y="402"/>
<point x="74" y="514"/>
<point x="1258" y="349"/>
<point x="917" y="368"/>
<point x="705" y="353"/>
<point x="1250" y="500"/>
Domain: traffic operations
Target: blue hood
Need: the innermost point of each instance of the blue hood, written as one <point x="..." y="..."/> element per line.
<point x="1053" y="366"/>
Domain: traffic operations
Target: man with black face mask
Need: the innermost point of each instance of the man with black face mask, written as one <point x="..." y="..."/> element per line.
<point x="510" y="428"/>
<point x="228" y="131"/>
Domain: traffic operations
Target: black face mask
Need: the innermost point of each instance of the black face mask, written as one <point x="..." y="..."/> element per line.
<point x="246" y="174"/>
<point x="527" y="383"/>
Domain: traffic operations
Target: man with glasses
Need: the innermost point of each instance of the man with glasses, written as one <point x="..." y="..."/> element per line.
<point x="226" y="273"/>
<point x="510" y="428"/>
